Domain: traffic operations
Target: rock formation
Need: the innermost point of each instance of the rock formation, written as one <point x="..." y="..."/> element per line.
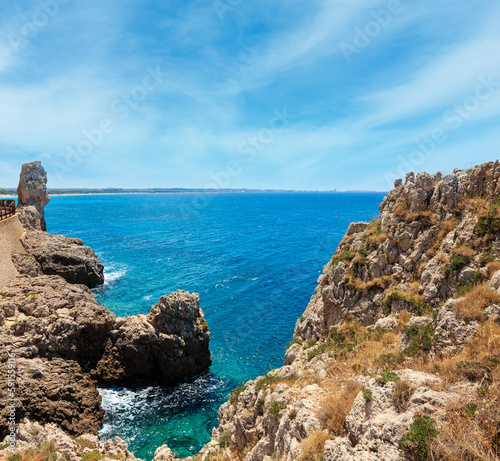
<point x="47" y="318"/>
<point x="67" y="257"/>
<point x="170" y="343"/>
<point x="396" y="356"/>
<point x="32" y="192"/>
<point x="64" y="343"/>
<point x="394" y="352"/>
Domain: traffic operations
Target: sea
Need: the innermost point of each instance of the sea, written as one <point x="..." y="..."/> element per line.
<point x="254" y="258"/>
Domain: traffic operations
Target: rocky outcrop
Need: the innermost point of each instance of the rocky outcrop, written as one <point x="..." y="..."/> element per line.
<point x="168" y="344"/>
<point x="52" y="391"/>
<point x="48" y="441"/>
<point x="63" y="256"/>
<point x="32" y="192"/>
<point x="418" y="287"/>
<point x="47" y="318"/>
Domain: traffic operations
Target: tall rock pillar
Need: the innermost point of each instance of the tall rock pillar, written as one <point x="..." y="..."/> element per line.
<point x="32" y="191"/>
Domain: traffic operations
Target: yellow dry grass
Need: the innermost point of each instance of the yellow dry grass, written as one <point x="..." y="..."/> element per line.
<point x="336" y="407"/>
<point x="312" y="448"/>
<point x="472" y="306"/>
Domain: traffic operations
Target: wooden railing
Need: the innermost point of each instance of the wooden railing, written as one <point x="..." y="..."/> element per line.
<point x="7" y="209"/>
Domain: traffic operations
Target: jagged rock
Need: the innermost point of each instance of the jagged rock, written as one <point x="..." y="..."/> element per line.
<point x="163" y="453"/>
<point x="33" y="436"/>
<point x="50" y="318"/>
<point x="26" y="264"/>
<point x="170" y="343"/>
<point x="67" y="257"/>
<point x="32" y="190"/>
<point x="29" y="217"/>
<point x="53" y="391"/>
<point x="495" y="280"/>
<point x="386" y="323"/>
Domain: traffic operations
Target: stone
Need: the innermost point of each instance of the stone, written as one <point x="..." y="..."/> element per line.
<point x="66" y="257"/>
<point x="29" y="217"/>
<point x="163" y="453"/>
<point x="53" y="391"/>
<point x="386" y="323"/>
<point x="168" y="344"/>
<point x="32" y="189"/>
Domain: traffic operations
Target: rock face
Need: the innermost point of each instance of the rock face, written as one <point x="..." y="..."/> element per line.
<point x="170" y="343"/>
<point x="53" y="391"/>
<point x="389" y="299"/>
<point x="47" y="318"/>
<point x="32" y="190"/>
<point x="67" y="257"/>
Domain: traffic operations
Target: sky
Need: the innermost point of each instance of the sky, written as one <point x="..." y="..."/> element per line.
<point x="283" y="94"/>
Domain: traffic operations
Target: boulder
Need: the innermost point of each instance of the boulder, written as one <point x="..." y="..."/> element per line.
<point x="66" y="257"/>
<point x="168" y="344"/>
<point x="32" y="190"/>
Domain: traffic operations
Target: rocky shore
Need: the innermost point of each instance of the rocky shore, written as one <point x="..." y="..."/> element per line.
<point x="396" y="357"/>
<point x="64" y="344"/>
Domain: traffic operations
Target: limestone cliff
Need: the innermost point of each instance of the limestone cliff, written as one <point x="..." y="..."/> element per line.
<point x="396" y="355"/>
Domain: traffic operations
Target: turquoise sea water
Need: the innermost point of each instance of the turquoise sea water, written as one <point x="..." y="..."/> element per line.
<point x="254" y="258"/>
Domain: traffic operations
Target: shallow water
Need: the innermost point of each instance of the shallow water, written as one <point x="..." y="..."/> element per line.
<point x="254" y="258"/>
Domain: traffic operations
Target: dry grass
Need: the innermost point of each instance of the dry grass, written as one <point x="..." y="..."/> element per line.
<point x="45" y="453"/>
<point x="403" y="319"/>
<point x="492" y="267"/>
<point x="464" y="251"/>
<point x="479" y="298"/>
<point x="442" y="258"/>
<point x="401" y="395"/>
<point x="361" y="286"/>
<point x="477" y="206"/>
<point x="335" y="408"/>
<point x="471" y="434"/>
<point x="313" y="447"/>
<point x="445" y="227"/>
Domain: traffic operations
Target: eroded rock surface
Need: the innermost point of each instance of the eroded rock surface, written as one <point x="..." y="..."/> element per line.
<point x="170" y="343"/>
<point x="32" y="192"/>
<point x="67" y="257"/>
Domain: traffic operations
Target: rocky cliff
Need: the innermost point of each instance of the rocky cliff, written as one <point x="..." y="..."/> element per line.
<point x="61" y="343"/>
<point x="396" y="356"/>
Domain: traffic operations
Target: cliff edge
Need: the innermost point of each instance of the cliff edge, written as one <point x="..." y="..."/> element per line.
<point x="396" y="355"/>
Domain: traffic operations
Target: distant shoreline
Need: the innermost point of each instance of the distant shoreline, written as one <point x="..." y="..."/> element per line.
<point x="59" y="193"/>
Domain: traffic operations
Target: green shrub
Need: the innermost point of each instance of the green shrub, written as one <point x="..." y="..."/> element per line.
<point x="236" y="393"/>
<point x="368" y="395"/>
<point x="294" y="341"/>
<point x="386" y="377"/>
<point x="275" y="408"/>
<point x="266" y="381"/>
<point x="339" y="339"/>
<point x="469" y="410"/>
<point x="16" y="457"/>
<point x="345" y="256"/>
<point x="225" y="439"/>
<point x="421" y="337"/>
<point x="416" y="442"/>
<point x="489" y="223"/>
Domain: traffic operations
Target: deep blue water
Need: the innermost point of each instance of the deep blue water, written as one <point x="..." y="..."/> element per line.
<point x="254" y="258"/>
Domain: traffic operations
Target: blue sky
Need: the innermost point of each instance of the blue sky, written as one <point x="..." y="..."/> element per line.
<point x="317" y="95"/>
